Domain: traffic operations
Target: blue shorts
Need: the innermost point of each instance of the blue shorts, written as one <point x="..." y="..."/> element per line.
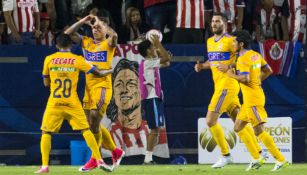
<point x="152" y="110"/>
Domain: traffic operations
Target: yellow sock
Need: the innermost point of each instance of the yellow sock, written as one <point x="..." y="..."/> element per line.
<point x="247" y="140"/>
<point x="92" y="144"/>
<point x="107" y="140"/>
<point x="219" y="137"/>
<point x="253" y="137"/>
<point x="98" y="138"/>
<point x="268" y="141"/>
<point x="45" y="148"/>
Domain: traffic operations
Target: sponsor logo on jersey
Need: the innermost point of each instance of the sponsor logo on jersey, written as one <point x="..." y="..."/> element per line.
<point x="63" y="69"/>
<point x="96" y="56"/>
<point x="218" y="56"/>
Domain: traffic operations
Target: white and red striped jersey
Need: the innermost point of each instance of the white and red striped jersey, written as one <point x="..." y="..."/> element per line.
<point x="297" y="20"/>
<point x="229" y="7"/>
<point x="22" y="13"/>
<point x="47" y="39"/>
<point x="190" y="14"/>
<point x="134" y="141"/>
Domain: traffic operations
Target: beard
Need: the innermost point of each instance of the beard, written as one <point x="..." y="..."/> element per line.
<point x="219" y="31"/>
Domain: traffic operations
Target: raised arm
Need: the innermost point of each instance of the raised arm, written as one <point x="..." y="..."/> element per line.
<point x="75" y="27"/>
<point x="164" y="56"/>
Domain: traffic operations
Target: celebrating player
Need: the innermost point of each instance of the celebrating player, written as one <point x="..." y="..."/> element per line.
<point x="225" y="97"/>
<point x="98" y="91"/>
<point x="61" y="73"/>
<point x="251" y="70"/>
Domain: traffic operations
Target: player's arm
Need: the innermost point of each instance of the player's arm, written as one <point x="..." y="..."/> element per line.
<point x="46" y="81"/>
<point x="201" y="66"/>
<point x="164" y="55"/>
<point x="76" y="26"/>
<point x="100" y="73"/>
<point x="242" y="77"/>
<point x="8" y="7"/>
<point x="266" y="71"/>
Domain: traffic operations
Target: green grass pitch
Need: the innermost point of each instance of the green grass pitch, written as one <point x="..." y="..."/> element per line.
<point x="235" y="169"/>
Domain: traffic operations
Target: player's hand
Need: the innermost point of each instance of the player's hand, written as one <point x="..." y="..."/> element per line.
<point x="198" y="66"/>
<point x="222" y="67"/>
<point x="230" y="72"/>
<point x="88" y="20"/>
<point x="155" y="40"/>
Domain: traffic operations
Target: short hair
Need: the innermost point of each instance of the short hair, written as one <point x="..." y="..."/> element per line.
<point x="222" y="15"/>
<point x="64" y="41"/>
<point x="143" y="46"/>
<point x="244" y="37"/>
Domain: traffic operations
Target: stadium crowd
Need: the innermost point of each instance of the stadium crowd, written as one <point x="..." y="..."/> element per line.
<point x="181" y="21"/>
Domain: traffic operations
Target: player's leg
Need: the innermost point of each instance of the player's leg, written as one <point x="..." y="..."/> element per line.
<point x="240" y="128"/>
<point x="233" y="111"/>
<point x="52" y="122"/>
<point x="155" y="119"/>
<point x="218" y="105"/>
<point x="78" y="121"/>
<point x="260" y="117"/>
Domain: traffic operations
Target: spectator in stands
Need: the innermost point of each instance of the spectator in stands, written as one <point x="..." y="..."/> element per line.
<point x="234" y="10"/>
<point x="190" y="22"/>
<point x="3" y="27"/>
<point x="161" y="15"/>
<point x="271" y="20"/>
<point x="23" y="28"/>
<point x="133" y="29"/>
<point x="63" y="13"/>
<point x="48" y="6"/>
<point x="47" y="36"/>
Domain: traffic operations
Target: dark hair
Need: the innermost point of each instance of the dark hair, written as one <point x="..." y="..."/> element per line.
<point x="123" y="64"/>
<point x="243" y="37"/>
<point x="143" y="46"/>
<point x="104" y="15"/>
<point x="87" y="9"/>
<point x="223" y="15"/>
<point x="63" y="41"/>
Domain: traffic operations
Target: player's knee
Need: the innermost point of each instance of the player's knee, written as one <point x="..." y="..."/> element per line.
<point x="211" y="122"/>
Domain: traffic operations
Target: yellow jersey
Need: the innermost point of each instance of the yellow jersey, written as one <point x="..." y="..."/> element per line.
<point x="101" y="56"/>
<point x="251" y="62"/>
<point x="220" y="51"/>
<point x="63" y="70"/>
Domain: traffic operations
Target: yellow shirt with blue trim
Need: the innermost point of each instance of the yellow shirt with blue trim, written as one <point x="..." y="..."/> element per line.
<point x="220" y="51"/>
<point x="251" y="63"/>
<point x="63" y="70"/>
<point x="101" y="56"/>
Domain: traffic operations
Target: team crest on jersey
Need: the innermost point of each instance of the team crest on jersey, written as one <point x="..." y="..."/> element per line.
<point x="220" y="47"/>
<point x="96" y="56"/>
<point x="276" y="51"/>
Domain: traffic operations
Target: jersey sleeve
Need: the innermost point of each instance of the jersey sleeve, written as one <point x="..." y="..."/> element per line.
<point x="8" y="5"/>
<point x="84" y="66"/>
<point x="243" y="65"/>
<point x="263" y="62"/>
<point x="45" y="73"/>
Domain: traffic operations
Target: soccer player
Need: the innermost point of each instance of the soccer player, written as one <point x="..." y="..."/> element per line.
<point x="251" y="70"/>
<point x="226" y="89"/>
<point x="98" y="91"/>
<point x="151" y="93"/>
<point x="61" y="73"/>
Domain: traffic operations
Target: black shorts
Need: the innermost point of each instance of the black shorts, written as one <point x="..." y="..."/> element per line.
<point x="153" y="112"/>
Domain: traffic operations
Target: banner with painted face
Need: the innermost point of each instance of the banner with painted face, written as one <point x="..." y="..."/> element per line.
<point x="124" y="115"/>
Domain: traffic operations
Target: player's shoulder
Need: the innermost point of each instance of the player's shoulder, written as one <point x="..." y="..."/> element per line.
<point x="227" y="35"/>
